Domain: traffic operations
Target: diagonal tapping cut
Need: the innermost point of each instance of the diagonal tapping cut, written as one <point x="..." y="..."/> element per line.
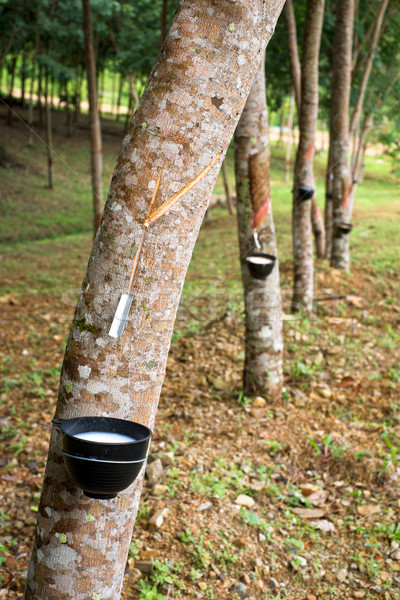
<point x="121" y="314"/>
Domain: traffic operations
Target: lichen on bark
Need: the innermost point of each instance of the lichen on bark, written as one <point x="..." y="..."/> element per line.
<point x="184" y="131"/>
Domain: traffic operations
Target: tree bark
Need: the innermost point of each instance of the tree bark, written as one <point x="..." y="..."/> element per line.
<point x="228" y="196"/>
<point x="356" y="116"/>
<point x="49" y="133"/>
<point x="339" y="132"/>
<point x="303" y="172"/>
<point x="11" y="89"/>
<point x="179" y="127"/>
<point x="263" y="341"/>
<point x="289" y="136"/>
<point x="95" y="129"/>
<point x="329" y="204"/>
<point x="288" y="13"/>
<point x="121" y="83"/>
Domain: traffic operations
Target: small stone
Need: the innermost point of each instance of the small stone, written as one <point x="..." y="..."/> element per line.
<point x="311" y="597"/>
<point x="205" y="506"/>
<point x="133" y="574"/>
<point x="154" y="471"/>
<point x="396" y="554"/>
<point x="240" y="589"/>
<point x="167" y="458"/>
<point x="257" y="486"/>
<point x="158" y="518"/>
<point x="243" y="500"/>
<point x="341" y="574"/>
<point x="159" y="489"/>
<point x="273" y="584"/>
<point x="325" y="392"/>
<point x="144" y="566"/>
<point x="298" y="563"/>
<point x="394" y="545"/>
<point x="359" y="594"/>
<point x="259" y="402"/>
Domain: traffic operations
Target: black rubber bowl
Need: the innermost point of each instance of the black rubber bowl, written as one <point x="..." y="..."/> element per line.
<point x="128" y="451"/>
<point x="306" y="193"/>
<point x="345" y="228"/>
<point x="99" y="478"/>
<point x="260" y="271"/>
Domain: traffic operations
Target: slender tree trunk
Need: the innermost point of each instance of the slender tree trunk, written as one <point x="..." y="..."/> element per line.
<point x="49" y="133"/>
<point x="303" y="172"/>
<point x="95" y="129"/>
<point x="288" y="13"/>
<point x="289" y="136"/>
<point x="356" y="116"/>
<point x="68" y="110"/>
<point x="121" y="83"/>
<point x="228" y="196"/>
<point x="329" y="205"/>
<point x="39" y="93"/>
<point x="30" y="105"/>
<point x="281" y="123"/>
<point x="164" y="17"/>
<point x="133" y="99"/>
<point x="11" y="89"/>
<point x="23" y="78"/>
<point x="339" y="132"/>
<point x="317" y="221"/>
<point x="263" y="342"/>
<point x="123" y="378"/>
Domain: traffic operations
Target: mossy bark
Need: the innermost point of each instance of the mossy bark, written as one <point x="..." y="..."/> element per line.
<point x="208" y="53"/>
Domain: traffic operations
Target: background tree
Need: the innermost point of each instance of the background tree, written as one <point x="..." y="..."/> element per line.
<point x="339" y="131"/>
<point x="263" y="340"/>
<point x="95" y="128"/>
<point x="176" y="127"/>
<point x="303" y="171"/>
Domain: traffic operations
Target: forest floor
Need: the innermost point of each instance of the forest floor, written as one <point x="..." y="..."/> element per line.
<point x="294" y="499"/>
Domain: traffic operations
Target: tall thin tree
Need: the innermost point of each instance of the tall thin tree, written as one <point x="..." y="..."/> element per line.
<point x="304" y="182"/>
<point x="339" y="132"/>
<point x="81" y="544"/>
<point x="95" y="128"/>
<point x="263" y="339"/>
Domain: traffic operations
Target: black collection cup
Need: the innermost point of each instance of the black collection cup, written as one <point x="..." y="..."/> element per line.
<point x="102" y="469"/>
<point x="345" y="228"/>
<point x="306" y="193"/>
<point x="260" y="270"/>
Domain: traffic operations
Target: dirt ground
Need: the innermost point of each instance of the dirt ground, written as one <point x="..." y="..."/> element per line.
<point x="297" y="499"/>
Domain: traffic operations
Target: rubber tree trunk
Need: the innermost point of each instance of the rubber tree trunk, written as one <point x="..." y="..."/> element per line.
<point x="328" y="216"/>
<point x="356" y="116"/>
<point x="289" y="139"/>
<point x="317" y="221"/>
<point x="290" y="21"/>
<point x="228" y="196"/>
<point x="121" y="83"/>
<point x="11" y="88"/>
<point x="339" y="132"/>
<point x="49" y="133"/>
<point x="95" y="129"/>
<point x="30" y="105"/>
<point x="178" y="126"/>
<point x="263" y="340"/>
<point x="303" y="171"/>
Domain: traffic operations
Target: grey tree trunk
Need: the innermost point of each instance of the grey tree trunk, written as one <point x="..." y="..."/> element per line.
<point x="339" y="133"/>
<point x="228" y="196"/>
<point x="289" y="136"/>
<point x="95" y="128"/>
<point x="263" y="341"/>
<point x="288" y="13"/>
<point x="303" y="172"/>
<point x="178" y="127"/>
<point x="49" y="133"/>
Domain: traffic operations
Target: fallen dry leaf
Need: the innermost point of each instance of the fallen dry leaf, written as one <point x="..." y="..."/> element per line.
<point x="366" y="510"/>
<point x="309" y="513"/>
